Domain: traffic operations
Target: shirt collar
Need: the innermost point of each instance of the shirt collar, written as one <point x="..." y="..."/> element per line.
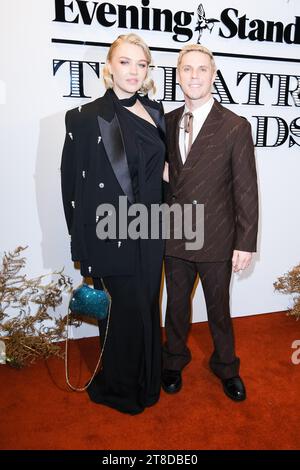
<point x="202" y="110"/>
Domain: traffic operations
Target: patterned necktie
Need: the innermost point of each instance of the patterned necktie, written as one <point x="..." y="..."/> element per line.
<point x="188" y="119"/>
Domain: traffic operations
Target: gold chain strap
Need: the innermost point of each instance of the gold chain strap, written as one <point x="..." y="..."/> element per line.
<point x="101" y="353"/>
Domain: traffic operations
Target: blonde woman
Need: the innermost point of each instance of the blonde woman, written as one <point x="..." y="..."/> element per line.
<point x="115" y="147"/>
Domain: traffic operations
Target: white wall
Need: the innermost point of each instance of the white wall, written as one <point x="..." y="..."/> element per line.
<point x="32" y="132"/>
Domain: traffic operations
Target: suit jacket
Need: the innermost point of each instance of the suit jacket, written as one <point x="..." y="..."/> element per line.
<point x="220" y="173"/>
<point x="94" y="170"/>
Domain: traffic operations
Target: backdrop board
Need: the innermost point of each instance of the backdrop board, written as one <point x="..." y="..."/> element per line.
<point x="52" y="57"/>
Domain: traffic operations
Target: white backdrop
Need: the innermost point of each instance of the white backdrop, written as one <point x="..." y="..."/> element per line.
<point x="34" y="85"/>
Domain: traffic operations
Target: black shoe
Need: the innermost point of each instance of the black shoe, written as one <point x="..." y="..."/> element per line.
<point x="234" y="388"/>
<point x="171" y="380"/>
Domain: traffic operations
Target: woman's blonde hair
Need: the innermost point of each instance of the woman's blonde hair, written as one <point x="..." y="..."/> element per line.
<point x="197" y="48"/>
<point x="148" y="83"/>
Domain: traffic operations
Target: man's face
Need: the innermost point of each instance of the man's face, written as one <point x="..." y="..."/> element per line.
<point x="196" y="76"/>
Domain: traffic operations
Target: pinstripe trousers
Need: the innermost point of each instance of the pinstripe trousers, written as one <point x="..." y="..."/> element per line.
<point x="215" y="278"/>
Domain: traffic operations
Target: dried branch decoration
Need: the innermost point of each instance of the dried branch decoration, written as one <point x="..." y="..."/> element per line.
<point x="290" y="284"/>
<point x="25" y="336"/>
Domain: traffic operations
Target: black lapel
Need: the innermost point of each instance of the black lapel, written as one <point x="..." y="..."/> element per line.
<point x="114" y="145"/>
<point x="157" y="116"/>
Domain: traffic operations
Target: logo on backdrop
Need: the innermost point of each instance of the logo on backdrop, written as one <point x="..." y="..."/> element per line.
<point x="204" y="23"/>
<point x="251" y="29"/>
<point x="269" y="130"/>
<point x="145" y="18"/>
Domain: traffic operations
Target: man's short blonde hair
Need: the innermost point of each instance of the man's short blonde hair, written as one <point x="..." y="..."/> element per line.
<point x="197" y="48"/>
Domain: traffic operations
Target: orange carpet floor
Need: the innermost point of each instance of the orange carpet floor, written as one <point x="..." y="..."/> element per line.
<point x="38" y="411"/>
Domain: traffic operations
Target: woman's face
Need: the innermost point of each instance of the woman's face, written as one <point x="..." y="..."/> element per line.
<point x="128" y="67"/>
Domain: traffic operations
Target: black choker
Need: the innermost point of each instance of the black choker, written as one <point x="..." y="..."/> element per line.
<point x="128" y="102"/>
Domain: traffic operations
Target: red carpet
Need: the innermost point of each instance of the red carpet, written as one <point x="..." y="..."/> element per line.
<point x="39" y="412"/>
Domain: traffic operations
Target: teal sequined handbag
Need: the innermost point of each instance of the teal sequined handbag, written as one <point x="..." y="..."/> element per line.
<point x="88" y="302"/>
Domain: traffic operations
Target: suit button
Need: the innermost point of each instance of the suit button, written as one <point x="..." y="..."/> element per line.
<point x="101" y="185"/>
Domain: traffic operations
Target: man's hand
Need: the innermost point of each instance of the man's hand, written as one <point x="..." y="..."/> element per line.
<point x="240" y="260"/>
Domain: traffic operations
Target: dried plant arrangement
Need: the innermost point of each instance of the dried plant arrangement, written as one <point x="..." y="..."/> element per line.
<point x="290" y="284"/>
<point x="23" y="335"/>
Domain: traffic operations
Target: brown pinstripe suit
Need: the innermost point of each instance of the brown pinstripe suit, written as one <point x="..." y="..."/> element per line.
<point x="219" y="173"/>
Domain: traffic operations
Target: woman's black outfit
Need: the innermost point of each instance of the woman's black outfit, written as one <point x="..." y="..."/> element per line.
<point x="129" y="380"/>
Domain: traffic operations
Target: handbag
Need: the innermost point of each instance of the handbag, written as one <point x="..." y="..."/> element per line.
<point x="88" y="302"/>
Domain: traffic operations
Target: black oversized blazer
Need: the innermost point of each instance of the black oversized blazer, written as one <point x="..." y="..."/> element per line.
<point x="94" y="170"/>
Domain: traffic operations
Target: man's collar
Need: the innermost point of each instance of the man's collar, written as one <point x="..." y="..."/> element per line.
<point x="198" y="112"/>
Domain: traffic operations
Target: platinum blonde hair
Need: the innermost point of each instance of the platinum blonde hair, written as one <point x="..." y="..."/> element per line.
<point x="148" y="83"/>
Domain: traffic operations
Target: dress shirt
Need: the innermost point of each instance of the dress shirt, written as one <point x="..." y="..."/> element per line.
<point x="200" y="114"/>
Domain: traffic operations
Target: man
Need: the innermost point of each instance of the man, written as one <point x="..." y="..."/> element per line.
<point x="211" y="162"/>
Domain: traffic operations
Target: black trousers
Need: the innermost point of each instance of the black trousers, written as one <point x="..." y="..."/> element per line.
<point x="215" y="279"/>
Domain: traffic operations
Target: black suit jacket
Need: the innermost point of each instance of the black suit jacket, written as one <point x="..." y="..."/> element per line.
<point x="94" y="170"/>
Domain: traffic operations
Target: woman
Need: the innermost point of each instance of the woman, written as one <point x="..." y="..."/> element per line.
<point x="115" y="147"/>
